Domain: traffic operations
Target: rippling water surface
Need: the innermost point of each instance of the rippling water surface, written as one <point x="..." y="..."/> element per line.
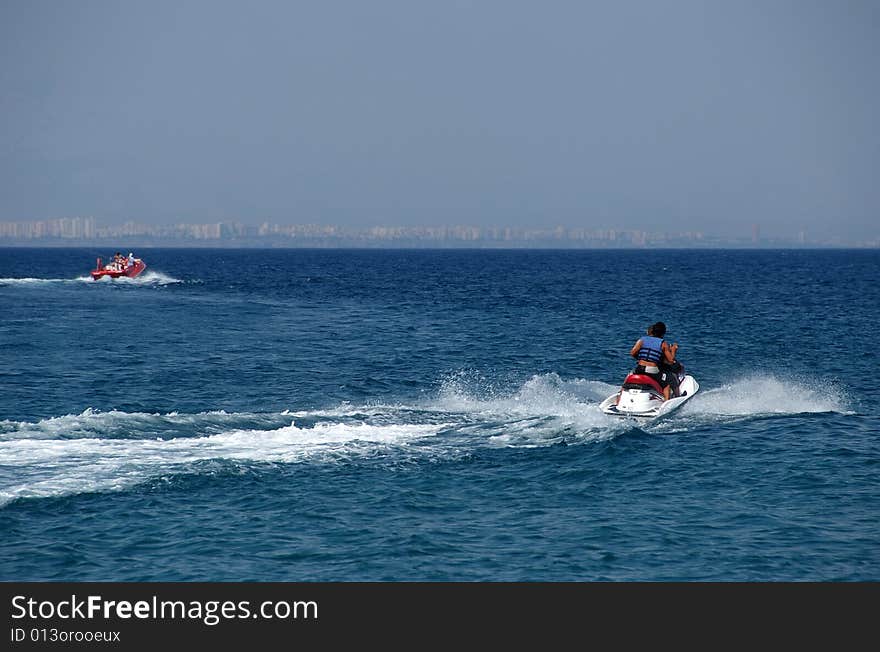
<point x="301" y="415"/>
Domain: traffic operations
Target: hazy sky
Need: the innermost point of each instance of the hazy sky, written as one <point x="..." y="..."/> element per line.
<point x="663" y="114"/>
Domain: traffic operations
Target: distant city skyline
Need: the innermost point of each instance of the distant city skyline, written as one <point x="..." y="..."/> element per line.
<point x="678" y="116"/>
<point x="87" y="230"/>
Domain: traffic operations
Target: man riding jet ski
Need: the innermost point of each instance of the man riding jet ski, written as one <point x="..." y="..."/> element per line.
<point x="656" y="358"/>
<point x="657" y="385"/>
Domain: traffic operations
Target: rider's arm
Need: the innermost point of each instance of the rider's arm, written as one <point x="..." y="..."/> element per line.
<point x="669" y="352"/>
<point x="634" y="352"/>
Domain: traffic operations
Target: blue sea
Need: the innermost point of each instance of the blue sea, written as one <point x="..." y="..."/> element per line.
<point x="432" y="415"/>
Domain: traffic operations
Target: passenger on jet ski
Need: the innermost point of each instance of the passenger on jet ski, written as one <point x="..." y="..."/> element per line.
<point x="656" y="359"/>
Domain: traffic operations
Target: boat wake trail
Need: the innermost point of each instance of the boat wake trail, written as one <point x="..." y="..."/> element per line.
<point x="109" y="451"/>
<point x="147" y="278"/>
<point x="34" y="282"/>
<point x="96" y="452"/>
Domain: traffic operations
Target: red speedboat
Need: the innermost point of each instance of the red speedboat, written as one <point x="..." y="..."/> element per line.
<point x="119" y="266"/>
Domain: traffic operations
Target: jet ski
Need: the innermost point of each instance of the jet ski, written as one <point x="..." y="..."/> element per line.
<point x="642" y="396"/>
<point x="129" y="267"/>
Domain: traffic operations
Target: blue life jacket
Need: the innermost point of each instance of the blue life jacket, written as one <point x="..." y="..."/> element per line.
<point x="651" y="350"/>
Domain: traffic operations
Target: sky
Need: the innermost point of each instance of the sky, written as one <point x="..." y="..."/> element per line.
<point x="669" y="115"/>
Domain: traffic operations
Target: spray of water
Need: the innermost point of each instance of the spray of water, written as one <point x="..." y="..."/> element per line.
<point x="764" y="394"/>
<point x="106" y="451"/>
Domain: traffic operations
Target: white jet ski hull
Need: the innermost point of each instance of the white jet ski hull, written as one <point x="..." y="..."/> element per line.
<point x="646" y="404"/>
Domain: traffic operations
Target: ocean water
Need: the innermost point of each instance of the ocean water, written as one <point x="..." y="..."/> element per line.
<point x="400" y="415"/>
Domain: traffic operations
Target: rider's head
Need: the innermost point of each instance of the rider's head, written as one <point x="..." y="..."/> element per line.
<point x="658" y="329"/>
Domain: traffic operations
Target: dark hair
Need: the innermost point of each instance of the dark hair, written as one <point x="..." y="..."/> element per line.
<point x="658" y="329"/>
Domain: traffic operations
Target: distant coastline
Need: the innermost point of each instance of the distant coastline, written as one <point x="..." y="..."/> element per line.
<point x="85" y="232"/>
<point x="506" y="246"/>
